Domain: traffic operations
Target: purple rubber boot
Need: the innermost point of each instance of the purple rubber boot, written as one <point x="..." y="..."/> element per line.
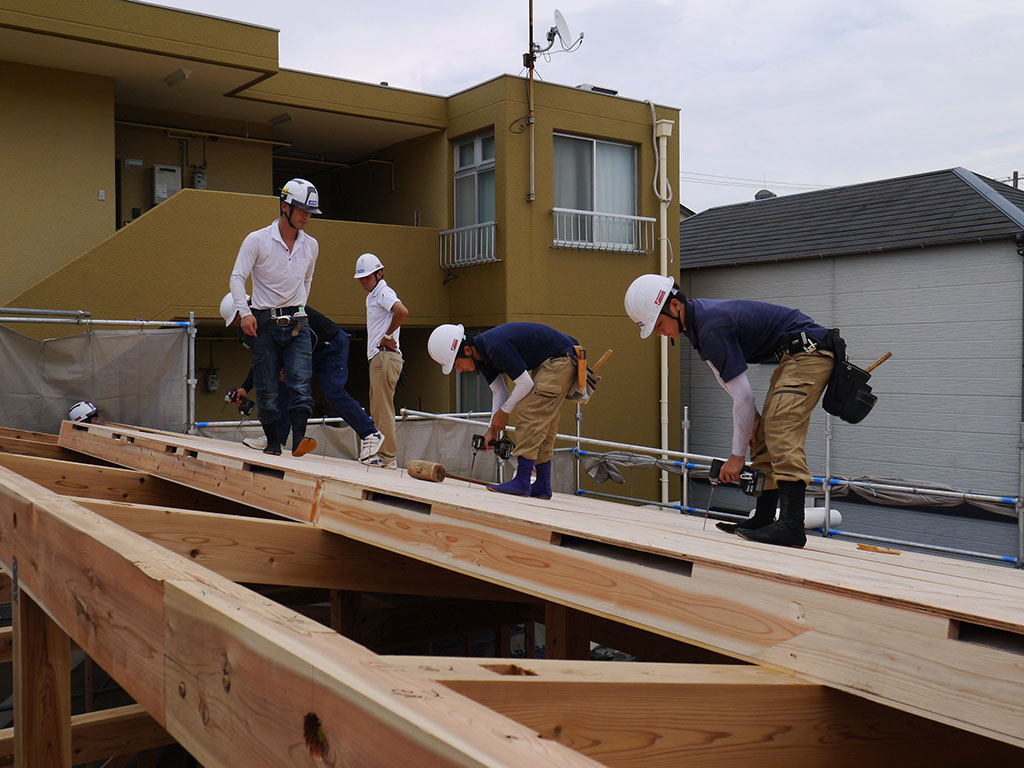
<point x="520" y="484"/>
<point x="541" y="489"/>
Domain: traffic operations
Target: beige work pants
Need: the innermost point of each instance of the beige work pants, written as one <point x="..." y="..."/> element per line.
<point x="385" y="368"/>
<point x="537" y="413"/>
<point x="795" y="389"/>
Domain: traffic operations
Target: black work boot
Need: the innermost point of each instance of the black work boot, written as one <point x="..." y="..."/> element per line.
<point x="764" y="514"/>
<point x="301" y="445"/>
<point x="788" y="530"/>
<point x="273" y="444"/>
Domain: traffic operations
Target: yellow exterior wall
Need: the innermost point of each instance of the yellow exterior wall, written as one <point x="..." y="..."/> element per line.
<point x="57" y="153"/>
<point x="231" y="165"/>
<point x="412" y="179"/>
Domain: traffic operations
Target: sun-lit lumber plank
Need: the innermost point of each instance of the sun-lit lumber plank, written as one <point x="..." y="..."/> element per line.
<point x="636" y="715"/>
<point x="25" y="434"/>
<point x="111" y="483"/>
<point x="200" y="653"/>
<point x="654" y="572"/>
<point x="42" y="688"/>
<point x="257" y="551"/>
<point x="96" y="735"/>
<point x="254" y="480"/>
<point x="264" y="686"/>
<point x="45" y="450"/>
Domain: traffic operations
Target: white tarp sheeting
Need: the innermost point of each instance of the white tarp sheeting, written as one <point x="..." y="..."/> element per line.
<point x="134" y="376"/>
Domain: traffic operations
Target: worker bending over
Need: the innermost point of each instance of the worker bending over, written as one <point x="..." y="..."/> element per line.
<point x="281" y="258"/>
<point x="541" y="363"/>
<point x="728" y="335"/>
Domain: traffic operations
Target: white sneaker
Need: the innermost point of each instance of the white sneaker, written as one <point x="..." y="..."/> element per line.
<point x="393" y="464"/>
<point x="256" y="443"/>
<point x="377" y="461"/>
<point x="369" y="447"/>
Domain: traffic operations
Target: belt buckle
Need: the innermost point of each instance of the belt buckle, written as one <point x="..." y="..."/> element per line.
<point x="283" y="320"/>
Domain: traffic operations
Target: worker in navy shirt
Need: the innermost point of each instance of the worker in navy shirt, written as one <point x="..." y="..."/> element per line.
<point x="541" y="363"/>
<point x="729" y="335"/>
<point x="330" y="366"/>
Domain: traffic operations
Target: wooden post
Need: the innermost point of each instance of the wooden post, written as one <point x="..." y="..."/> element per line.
<point x="565" y="633"/>
<point x="42" y="688"/>
<point x="346" y="613"/>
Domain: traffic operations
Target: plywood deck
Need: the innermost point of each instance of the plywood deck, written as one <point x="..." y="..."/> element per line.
<point x="933" y="636"/>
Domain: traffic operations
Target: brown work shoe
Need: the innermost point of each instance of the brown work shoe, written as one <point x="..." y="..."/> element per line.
<point x="306" y="445"/>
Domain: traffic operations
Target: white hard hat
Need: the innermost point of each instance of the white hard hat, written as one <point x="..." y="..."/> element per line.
<point x="366" y="265"/>
<point x="83" y="410"/>
<point x="443" y="345"/>
<point x="301" y="194"/>
<point x="645" y="298"/>
<point x="228" y="309"/>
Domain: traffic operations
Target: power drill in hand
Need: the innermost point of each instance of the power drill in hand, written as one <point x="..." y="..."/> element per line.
<point x="751" y="480"/>
<point x="245" y="405"/>
<point x="503" y="446"/>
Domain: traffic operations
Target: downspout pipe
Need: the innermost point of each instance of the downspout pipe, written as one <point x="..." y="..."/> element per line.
<point x="662" y="131"/>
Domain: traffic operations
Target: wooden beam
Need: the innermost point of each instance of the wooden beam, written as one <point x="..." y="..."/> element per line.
<point x="234" y="678"/>
<point x="820" y="612"/>
<point x="97" y="735"/>
<point x="113" y="484"/>
<point x="25" y="434"/>
<point x="566" y="633"/>
<point x="255" y="551"/>
<point x="42" y="688"/>
<point x="45" y="450"/>
<point x="638" y="715"/>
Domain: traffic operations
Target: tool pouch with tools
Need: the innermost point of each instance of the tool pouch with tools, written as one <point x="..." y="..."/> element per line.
<point x="848" y="394"/>
<point x="576" y="394"/>
<point x="586" y="380"/>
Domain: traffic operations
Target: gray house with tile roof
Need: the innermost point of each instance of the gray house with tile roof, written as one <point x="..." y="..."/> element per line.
<point x="928" y="267"/>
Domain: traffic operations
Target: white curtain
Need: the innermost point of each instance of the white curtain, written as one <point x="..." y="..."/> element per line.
<point x="574" y="173"/>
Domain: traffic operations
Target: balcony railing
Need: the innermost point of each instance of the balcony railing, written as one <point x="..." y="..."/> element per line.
<point x="586" y="230"/>
<point x="466" y="246"/>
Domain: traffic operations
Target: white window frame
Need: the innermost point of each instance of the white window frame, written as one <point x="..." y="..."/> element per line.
<point x="594" y="223"/>
<point x="478" y="166"/>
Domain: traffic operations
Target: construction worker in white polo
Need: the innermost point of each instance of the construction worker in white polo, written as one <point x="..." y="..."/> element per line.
<point x="384" y="317"/>
<point x="541" y="363"/>
<point x="280" y="258"/>
<point x="728" y="335"/>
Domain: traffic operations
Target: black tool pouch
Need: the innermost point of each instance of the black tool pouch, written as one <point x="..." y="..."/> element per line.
<point x="848" y="394"/>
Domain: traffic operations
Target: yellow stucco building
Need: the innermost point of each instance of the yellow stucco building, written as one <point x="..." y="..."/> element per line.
<point x="109" y="106"/>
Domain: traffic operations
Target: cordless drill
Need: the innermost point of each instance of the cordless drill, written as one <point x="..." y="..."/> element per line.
<point x="503" y="447"/>
<point x="245" y="405"/>
<point x="751" y="480"/>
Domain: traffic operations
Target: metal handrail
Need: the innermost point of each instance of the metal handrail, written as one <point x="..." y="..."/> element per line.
<point x="595" y="231"/>
<point x="469" y="245"/>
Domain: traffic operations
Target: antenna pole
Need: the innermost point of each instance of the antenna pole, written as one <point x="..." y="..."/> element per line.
<point x="531" y="120"/>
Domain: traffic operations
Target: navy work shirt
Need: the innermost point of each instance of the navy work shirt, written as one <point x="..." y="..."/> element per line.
<point x="733" y="332"/>
<point x="513" y="348"/>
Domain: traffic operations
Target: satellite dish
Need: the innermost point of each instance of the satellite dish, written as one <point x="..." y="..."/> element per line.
<point x="563" y="28"/>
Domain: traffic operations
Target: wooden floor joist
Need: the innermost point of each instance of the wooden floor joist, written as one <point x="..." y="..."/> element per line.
<point x="636" y="715"/>
<point x="234" y="678"/>
<point x="934" y="637"/>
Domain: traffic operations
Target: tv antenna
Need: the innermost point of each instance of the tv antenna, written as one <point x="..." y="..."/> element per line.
<point x="561" y="31"/>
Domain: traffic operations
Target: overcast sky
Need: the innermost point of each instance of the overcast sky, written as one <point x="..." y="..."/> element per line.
<point x="790" y="95"/>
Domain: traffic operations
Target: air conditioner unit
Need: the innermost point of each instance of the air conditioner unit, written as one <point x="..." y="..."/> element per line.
<point x="166" y="181"/>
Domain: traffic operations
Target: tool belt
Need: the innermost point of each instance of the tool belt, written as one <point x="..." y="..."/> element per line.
<point x="586" y="380"/>
<point x="796" y="345"/>
<point x="283" y="316"/>
<point x="848" y="394"/>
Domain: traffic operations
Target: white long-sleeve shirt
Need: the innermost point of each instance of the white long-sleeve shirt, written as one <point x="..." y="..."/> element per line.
<point x="744" y="409"/>
<point x="280" y="278"/>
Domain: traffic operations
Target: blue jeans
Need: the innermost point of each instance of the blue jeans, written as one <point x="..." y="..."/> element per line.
<point x="274" y="349"/>
<point x="330" y="365"/>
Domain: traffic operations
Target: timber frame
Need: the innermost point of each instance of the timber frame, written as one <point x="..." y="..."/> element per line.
<point x="833" y="655"/>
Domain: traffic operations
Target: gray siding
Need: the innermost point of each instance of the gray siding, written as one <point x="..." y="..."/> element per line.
<point x="949" y="400"/>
